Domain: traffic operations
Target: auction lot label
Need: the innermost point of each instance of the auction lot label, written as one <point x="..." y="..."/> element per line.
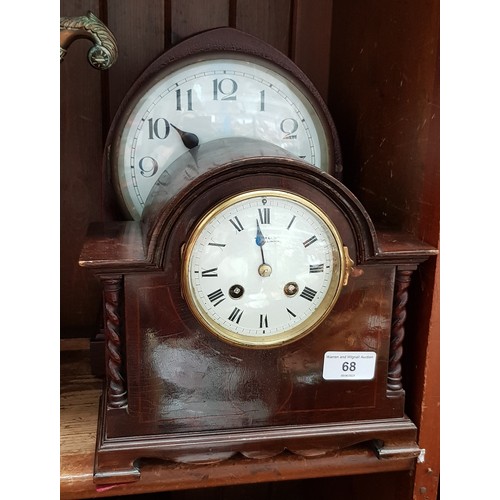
<point x="349" y="365"/>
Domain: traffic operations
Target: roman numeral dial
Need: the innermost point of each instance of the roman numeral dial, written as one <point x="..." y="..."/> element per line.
<point x="263" y="268"/>
<point x="310" y="241"/>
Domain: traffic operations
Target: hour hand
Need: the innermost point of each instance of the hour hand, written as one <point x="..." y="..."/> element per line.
<point x="189" y="139"/>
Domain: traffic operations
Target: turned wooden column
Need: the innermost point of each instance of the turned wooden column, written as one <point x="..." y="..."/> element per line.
<point x="402" y="282"/>
<point x="116" y="388"/>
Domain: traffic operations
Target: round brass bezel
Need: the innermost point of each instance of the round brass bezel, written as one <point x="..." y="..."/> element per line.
<point x="281" y="338"/>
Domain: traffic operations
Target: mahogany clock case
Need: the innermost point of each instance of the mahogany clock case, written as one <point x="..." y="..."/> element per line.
<point x="176" y="391"/>
<point x="183" y="378"/>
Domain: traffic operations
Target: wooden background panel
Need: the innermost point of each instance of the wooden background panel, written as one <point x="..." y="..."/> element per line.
<point x="422" y="379"/>
<point x="311" y="41"/>
<point x="188" y="18"/>
<point x="139" y="29"/>
<point x="269" y="21"/>
<point x="383" y="75"/>
<point x="81" y="148"/>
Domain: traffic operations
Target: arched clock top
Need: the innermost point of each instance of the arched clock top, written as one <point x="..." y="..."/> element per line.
<point x="227" y="167"/>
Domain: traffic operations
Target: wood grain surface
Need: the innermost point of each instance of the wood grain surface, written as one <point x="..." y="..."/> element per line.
<point x="80" y="392"/>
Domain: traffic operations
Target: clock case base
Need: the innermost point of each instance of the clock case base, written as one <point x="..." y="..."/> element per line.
<point x="118" y="460"/>
<point x="138" y="263"/>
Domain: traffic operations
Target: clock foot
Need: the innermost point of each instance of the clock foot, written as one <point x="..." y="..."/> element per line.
<point x="112" y="466"/>
<point x="396" y="450"/>
<point x="109" y="475"/>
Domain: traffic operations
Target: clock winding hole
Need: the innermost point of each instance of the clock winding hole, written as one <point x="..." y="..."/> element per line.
<point x="236" y="291"/>
<point x="291" y="289"/>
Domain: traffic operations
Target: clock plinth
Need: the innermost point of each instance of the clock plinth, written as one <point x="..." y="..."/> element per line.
<point x="177" y="391"/>
<point x="118" y="460"/>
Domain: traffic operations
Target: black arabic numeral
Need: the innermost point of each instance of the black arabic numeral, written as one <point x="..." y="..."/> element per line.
<point x="148" y="166"/>
<point x="179" y="99"/>
<point x="227" y="88"/>
<point x="289" y="126"/>
<point x="159" y="128"/>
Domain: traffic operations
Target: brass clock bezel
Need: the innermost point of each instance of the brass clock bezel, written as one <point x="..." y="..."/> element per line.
<point x="305" y="327"/>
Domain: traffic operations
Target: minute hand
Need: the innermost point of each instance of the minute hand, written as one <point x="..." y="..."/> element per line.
<point x="264" y="269"/>
<point x="260" y="240"/>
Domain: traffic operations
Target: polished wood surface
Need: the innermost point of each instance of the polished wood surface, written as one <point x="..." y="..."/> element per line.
<point x="80" y="392"/>
<point x="178" y="393"/>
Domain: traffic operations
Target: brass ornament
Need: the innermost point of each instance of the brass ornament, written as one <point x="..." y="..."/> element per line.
<point x="104" y="53"/>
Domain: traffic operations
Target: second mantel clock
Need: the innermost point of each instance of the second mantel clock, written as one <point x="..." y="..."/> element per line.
<point x="219" y="84"/>
<point x="253" y="308"/>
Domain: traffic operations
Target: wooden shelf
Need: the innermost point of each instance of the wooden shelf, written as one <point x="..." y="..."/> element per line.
<point x="80" y="392"/>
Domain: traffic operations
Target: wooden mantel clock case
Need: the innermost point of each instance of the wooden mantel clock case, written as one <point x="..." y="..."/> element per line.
<point x="250" y="308"/>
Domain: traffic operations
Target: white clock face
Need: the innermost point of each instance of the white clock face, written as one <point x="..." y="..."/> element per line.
<point x="263" y="268"/>
<point x="207" y="100"/>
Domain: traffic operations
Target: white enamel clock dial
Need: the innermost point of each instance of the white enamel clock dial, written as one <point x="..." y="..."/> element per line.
<point x="202" y="100"/>
<point x="263" y="268"/>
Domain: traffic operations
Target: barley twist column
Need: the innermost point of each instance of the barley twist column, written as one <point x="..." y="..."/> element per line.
<point x="394" y="377"/>
<point x="116" y="391"/>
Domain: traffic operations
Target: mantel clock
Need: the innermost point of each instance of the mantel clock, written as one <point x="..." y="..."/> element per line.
<point x="250" y="305"/>
<point x="222" y="83"/>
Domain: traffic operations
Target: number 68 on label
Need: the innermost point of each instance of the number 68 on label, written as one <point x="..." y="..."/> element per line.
<point x="349" y="365"/>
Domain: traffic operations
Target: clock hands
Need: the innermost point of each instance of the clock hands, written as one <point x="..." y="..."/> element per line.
<point x="264" y="269"/>
<point x="189" y="139"/>
<point x="259" y="239"/>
